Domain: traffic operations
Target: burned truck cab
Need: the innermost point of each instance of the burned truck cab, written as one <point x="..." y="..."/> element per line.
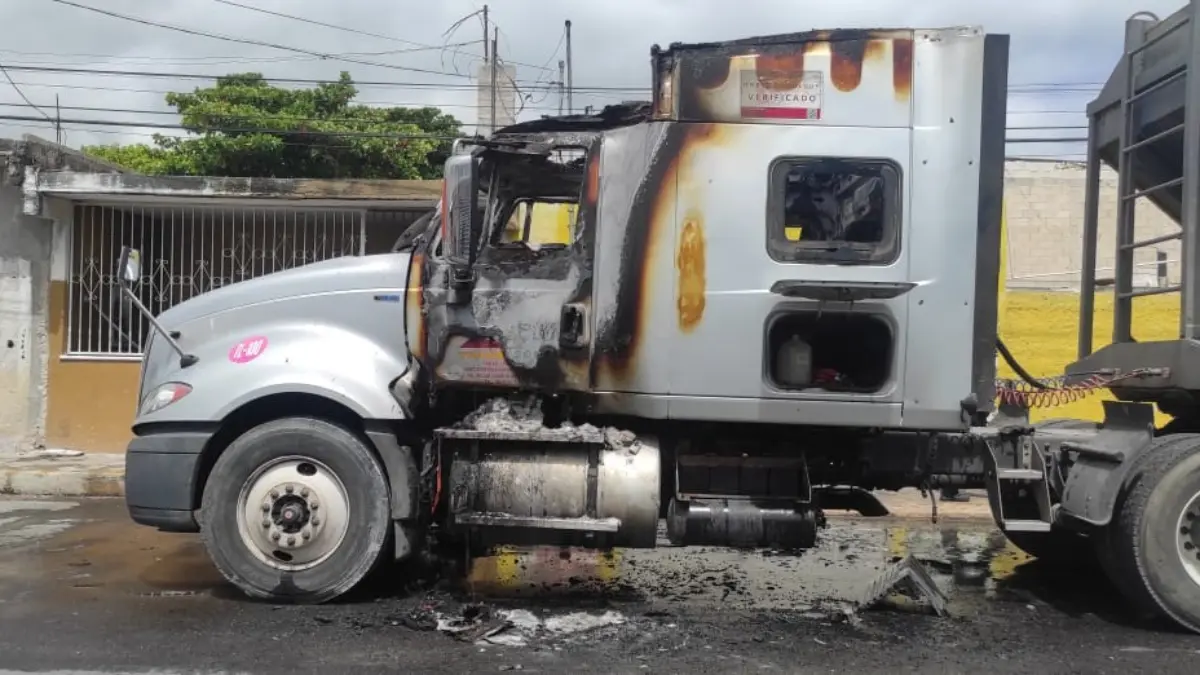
<point x="800" y="229"/>
<point x="780" y="277"/>
<point x="505" y="285"/>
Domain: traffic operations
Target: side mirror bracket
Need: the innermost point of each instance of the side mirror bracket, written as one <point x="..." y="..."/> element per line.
<point x="130" y="268"/>
<point x="462" y="221"/>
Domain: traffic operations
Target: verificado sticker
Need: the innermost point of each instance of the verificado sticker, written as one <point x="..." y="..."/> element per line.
<point x="249" y="349"/>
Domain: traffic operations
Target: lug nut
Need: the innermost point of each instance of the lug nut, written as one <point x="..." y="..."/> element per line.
<point x="288" y="489"/>
<point x="274" y="494"/>
<point x="266" y="523"/>
<point x="1185" y="530"/>
<point x="303" y="492"/>
<point x="291" y="541"/>
<point x="316" y="521"/>
<point x="306" y="534"/>
<point x="274" y="536"/>
<point x="1187" y="546"/>
<point x="266" y="508"/>
<point x="313" y="505"/>
<point x="1189" y="515"/>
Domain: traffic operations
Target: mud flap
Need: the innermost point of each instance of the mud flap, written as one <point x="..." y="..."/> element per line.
<point x="1103" y="463"/>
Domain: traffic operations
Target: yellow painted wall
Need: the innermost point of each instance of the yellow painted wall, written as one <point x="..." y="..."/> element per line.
<point x="1041" y="329"/>
<point x="89" y="404"/>
<point x="549" y="223"/>
<point x="552" y="223"/>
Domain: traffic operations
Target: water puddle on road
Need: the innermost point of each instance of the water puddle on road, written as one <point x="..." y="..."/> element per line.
<point x="107" y="556"/>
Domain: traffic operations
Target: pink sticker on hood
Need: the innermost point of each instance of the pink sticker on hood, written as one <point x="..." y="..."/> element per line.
<point x="249" y="349"/>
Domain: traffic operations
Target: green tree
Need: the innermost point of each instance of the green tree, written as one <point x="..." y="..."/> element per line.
<point x="244" y="126"/>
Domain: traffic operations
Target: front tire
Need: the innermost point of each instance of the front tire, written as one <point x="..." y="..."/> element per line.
<point x="296" y="511"/>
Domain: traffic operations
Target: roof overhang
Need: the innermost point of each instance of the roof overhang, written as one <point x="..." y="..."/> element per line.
<point x="141" y="189"/>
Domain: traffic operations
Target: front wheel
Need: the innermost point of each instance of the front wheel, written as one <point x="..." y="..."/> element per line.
<point x="296" y="510"/>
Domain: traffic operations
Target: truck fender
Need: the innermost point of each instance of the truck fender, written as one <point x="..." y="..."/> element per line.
<point x="1104" y="464"/>
<point x="359" y="377"/>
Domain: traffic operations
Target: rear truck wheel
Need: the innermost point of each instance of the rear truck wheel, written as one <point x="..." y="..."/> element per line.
<point x="296" y="511"/>
<point x="1153" y="542"/>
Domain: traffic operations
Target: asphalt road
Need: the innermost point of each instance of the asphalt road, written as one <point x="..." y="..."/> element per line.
<point x="83" y="590"/>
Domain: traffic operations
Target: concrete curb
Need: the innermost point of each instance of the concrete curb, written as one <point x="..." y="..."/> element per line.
<point x="103" y="475"/>
<point x="62" y="475"/>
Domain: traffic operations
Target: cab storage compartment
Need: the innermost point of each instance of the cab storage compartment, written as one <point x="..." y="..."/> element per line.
<point x="830" y="351"/>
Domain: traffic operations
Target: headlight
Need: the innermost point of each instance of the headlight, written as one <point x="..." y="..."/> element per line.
<point x="163" y="396"/>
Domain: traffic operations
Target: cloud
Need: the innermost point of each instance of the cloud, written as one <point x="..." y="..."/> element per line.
<point x="1057" y="41"/>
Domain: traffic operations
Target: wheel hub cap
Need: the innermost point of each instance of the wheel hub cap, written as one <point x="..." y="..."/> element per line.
<point x="293" y="513"/>
<point x="1187" y="540"/>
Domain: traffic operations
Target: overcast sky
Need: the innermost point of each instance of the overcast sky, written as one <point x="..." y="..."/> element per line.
<point x="1072" y="42"/>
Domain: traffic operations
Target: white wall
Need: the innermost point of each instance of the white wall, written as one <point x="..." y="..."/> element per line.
<point x="1044" y="205"/>
<point x="24" y="296"/>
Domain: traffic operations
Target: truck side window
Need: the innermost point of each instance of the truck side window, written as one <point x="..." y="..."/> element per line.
<point x="834" y="210"/>
<point x="539" y="223"/>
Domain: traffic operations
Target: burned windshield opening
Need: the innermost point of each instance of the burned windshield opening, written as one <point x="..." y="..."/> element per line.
<point x="556" y="173"/>
<point x="534" y="197"/>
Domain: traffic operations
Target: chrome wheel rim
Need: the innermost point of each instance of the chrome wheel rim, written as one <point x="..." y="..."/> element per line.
<point x="293" y="513"/>
<point x="1187" y="538"/>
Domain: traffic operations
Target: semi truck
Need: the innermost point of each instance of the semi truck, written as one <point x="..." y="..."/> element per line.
<point x="775" y="295"/>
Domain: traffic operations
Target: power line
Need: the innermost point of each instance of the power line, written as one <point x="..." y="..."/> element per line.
<point x="104" y="72"/>
<point x="248" y="41"/>
<point x="361" y="134"/>
<point x="213" y="60"/>
<point x="347" y="29"/>
<point x="134" y="90"/>
<point x="356" y="31"/>
<point x="410" y="105"/>
<point x="41" y="124"/>
<point x="21" y="93"/>
<point x="232" y="130"/>
<point x="348" y="120"/>
<point x="371" y="104"/>
<point x="131" y="90"/>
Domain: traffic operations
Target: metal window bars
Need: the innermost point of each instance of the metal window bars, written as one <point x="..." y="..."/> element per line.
<point x="186" y="251"/>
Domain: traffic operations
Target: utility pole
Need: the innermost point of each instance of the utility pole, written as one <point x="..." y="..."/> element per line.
<point x="57" y="121"/>
<point x="486" y="41"/>
<point x="562" y="91"/>
<point x="570" y="108"/>
<point x="495" y="74"/>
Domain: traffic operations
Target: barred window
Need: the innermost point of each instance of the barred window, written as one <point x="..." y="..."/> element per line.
<point x="185" y="251"/>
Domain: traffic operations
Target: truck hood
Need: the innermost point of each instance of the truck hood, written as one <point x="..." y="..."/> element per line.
<point x="349" y="273"/>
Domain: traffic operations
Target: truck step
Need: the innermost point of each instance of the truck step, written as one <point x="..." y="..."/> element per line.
<point x="1026" y="526"/>
<point x="541" y="523"/>
<point x="1019" y="474"/>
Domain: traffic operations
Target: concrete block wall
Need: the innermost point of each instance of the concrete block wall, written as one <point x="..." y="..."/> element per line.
<point x="1044" y="208"/>
<point x="25" y="245"/>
